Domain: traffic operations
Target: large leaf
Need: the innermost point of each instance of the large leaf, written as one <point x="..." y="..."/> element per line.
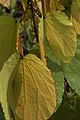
<point x="8" y="34"/>
<point x="71" y="71"/>
<point x="75" y="15"/>
<point x="56" y="70"/>
<point x="5" y="80"/>
<point x="37" y="98"/>
<point x="60" y="35"/>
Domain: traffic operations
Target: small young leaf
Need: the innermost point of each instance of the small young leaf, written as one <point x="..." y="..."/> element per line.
<point x="37" y="99"/>
<point x="5" y="75"/>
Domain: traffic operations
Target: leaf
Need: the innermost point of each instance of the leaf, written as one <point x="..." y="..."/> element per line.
<point x="56" y="70"/>
<point x="37" y="98"/>
<point x="75" y="10"/>
<point x="71" y="71"/>
<point x="5" y="79"/>
<point x="75" y="15"/>
<point x="56" y="5"/>
<point x="60" y="35"/>
<point x="5" y="2"/>
<point x="8" y="34"/>
<point x="76" y="25"/>
<point x="69" y="108"/>
<point x="25" y="3"/>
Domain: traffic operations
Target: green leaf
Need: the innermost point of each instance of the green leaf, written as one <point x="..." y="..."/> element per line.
<point x="37" y="99"/>
<point x="71" y="71"/>
<point x="60" y="35"/>
<point x="69" y="108"/>
<point x="5" y="82"/>
<point x="8" y="34"/>
<point x="55" y="67"/>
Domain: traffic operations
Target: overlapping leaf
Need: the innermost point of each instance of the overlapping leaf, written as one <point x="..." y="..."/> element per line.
<point x="55" y="67"/>
<point x="37" y="98"/>
<point x="76" y="25"/>
<point x="5" y="82"/>
<point x="8" y="34"/>
<point x="75" y="10"/>
<point x="56" y="5"/>
<point x="75" y="14"/>
<point x="60" y="35"/>
<point x="71" y="71"/>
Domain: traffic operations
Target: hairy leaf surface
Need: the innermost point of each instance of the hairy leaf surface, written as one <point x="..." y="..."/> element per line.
<point x="5" y="79"/>
<point x="8" y="31"/>
<point x="60" y="35"/>
<point x="37" y="98"/>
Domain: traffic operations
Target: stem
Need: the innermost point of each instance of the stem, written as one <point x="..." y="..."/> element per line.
<point x="42" y="51"/>
<point x="43" y="2"/>
<point x="35" y="28"/>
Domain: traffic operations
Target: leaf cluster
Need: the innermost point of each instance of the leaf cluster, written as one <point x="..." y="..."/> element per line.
<point x="39" y="56"/>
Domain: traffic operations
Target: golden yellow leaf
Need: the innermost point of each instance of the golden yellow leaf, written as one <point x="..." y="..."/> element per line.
<point x="75" y="15"/>
<point x="60" y="35"/>
<point x="5" y="2"/>
<point x="76" y="25"/>
<point x="37" y="99"/>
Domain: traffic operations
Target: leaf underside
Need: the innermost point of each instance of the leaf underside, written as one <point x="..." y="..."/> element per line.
<point x="37" y="98"/>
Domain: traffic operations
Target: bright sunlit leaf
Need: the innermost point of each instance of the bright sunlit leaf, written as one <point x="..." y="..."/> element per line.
<point x="5" y="83"/>
<point x="37" y="99"/>
<point x="60" y="35"/>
